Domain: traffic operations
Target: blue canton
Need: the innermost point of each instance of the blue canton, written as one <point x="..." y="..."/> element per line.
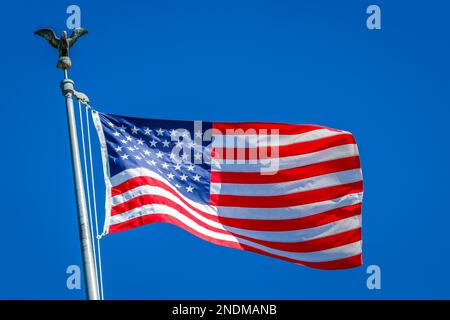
<point x="173" y="149"/>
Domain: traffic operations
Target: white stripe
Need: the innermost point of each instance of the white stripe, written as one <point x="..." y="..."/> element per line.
<point x="281" y="188"/>
<point x="317" y="256"/>
<point x="339" y="152"/>
<point x="329" y="229"/>
<point x="289" y="212"/>
<point x="264" y="140"/>
<point x="276" y="236"/>
<point x="231" y="212"/>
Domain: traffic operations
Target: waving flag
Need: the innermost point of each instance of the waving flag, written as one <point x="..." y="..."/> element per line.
<point x="291" y="192"/>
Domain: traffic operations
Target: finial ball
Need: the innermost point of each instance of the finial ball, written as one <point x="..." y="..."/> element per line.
<point x="64" y="62"/>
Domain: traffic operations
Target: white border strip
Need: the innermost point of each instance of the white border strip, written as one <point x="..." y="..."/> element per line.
<point x="106" y="172"/>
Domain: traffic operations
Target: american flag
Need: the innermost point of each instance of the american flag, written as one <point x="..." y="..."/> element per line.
<point x="292" y="192"/>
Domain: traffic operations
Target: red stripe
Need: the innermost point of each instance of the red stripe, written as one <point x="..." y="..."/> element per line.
<point x="298" y="173"/>
<point x="312" y="221"/>
<point x="136" y="222"/>
<point x="286" y="200"/>
<point x="137" y="182"/>
<point x="282" y="151"/>
<point x="318" y="244"/>
<point x="288" y="129"/>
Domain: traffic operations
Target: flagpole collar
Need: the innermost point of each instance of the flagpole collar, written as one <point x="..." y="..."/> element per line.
<point x="67" y="86"/>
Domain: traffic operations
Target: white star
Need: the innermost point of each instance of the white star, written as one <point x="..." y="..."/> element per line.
<point x="184" y="156"/>
<point x="124" y="141"/>
<point x="129" y="138"/>
<point x="191" y="167"/>
<point x="198" y="156"/>
<point x="130" y="148"/>
<point x="119" y="148"/>
<point x="165" y="165"/>
<point x="122" y="128"/>
<point x="177" y="167"/>
<point x="192" y="144"/>
<point x="160" y="132"/>
<point x="173" y="133"/>
<point x="151" y="162"/>
<point x="196" y="177"/>
<point x="137" y="157"/>
<point x="146" y="152"/>
<point x="116" y="134"/>
<point x="147" y="131"/>
<point x="124" y="157"/>
<point x="177" y="185"/>
<point x="134" y="130"/>
<point x="179" y="144"/>
<point x="159" y="154"/>
<point x="189" y="189"/>
<point x="173" y="156"/>
<point x="140" y="141"/>
<point x="153" y="143"/>
<point x="184" y="177"/>
<point x="111" y="124"/>
<point x="170" y="175"/>
<point x="166" y="143"/>
<point x="185" y="134"/>
<point x="198" y="134"/>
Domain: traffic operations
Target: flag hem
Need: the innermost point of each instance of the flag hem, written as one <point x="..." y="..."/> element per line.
<point x="106" y="171"/>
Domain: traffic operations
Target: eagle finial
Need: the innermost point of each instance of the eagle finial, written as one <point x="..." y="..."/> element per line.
<point x="63" y="44"/>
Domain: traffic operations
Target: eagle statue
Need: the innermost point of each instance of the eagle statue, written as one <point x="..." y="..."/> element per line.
<point x="63" y="44"/>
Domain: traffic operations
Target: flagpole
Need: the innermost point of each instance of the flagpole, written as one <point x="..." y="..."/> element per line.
<point x="90" y="272"/>
<point x="63" y="45"/>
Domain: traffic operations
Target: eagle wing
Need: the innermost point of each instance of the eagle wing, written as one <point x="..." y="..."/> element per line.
<point x="76" y="33"/>
<point x="49" y="35"/>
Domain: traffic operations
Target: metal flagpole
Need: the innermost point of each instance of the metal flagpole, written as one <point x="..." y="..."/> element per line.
<point x="67" y="85"/>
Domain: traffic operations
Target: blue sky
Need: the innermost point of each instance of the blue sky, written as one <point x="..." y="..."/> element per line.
<point x="281" y="61"/>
